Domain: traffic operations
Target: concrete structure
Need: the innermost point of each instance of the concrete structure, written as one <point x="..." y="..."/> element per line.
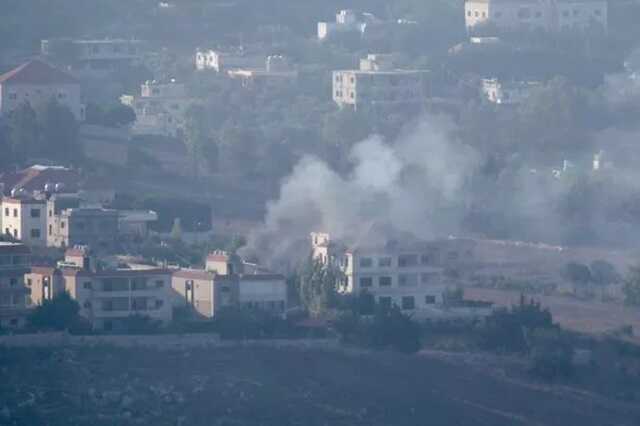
<point x="160" y="108"/>
<point x="93" y="57"/>
<point x="507" y="93"/>
<point x="44" y="283"/>
<point x="15" y="261"/>
<point x="346" y="21"/>
<point x="219" y="61"/>
<point x="24" y="218"/>
<point x="135" y="223"/>
<point x="226" y="281"/>
<point x="379" y="84"/>
<point x="36" y="83"/>
<point x="410" y="275"/>
<point x="546" y="15"/>
<point x="107" y="298"/>
<point x="276" y="68"/>
<point x="95" y="227"/>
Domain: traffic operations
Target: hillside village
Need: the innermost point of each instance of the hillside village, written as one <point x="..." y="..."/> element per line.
<point x="447" y="188"/>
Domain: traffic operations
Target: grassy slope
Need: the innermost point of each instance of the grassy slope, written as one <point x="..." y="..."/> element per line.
<point x="265" y="386"/>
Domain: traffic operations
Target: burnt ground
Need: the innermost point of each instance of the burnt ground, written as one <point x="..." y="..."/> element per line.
<point x="277" y="386"/>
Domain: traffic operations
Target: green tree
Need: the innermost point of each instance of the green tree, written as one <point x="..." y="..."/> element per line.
<point x="59" y="313"/>
<point x="59" y="136"/>
<point x="577" y="273"/>
<point x="24" y="132"/>
<point x="318" y="286"/>
<point x="631" y="289"/>
<point x="197" y="136"/>
<point x="119" y="115"/>
<point x="604" y="273"/>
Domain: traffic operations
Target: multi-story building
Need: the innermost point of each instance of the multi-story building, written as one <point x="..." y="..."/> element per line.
<point x="160" y="109"/>
<point x="507" y="93"/>
<point x="378" y="84"/>
<point x="95" y="227"/>
<point x="225" y="281"/>
<point x="107" y="297"/>
<point x="15" y="261"/>
<point x="24" y="217"/>
<point x="93" y="57"/>
<point x="36" y="83"/>
<point x="410" y="275"/>
<point x="546" y="15"/>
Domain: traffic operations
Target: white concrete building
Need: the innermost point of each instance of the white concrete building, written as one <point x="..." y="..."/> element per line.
<point x="25" y="219"/>
<point x="410" y="275"/>
<point x="547" y="15"/>
<point x="379" y="84"/>
<point x="160" y="108"/>
<point x="36" y="83"/>
<point x="346" y="21"/>
<point x="221" y="61"/>
<point x="507" y="93"/>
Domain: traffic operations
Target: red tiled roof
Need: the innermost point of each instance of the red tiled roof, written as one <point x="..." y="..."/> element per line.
<point x="38" y="73"/>
<point x="34" y="179"/>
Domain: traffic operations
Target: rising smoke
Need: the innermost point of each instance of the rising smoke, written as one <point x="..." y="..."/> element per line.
<point x="416" y="183"/>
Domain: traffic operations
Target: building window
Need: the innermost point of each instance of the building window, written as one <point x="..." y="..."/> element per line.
<point x="13" y="282"/>
<point x="406" y="260"/>
<point x="425" y="259"/>
<point x="428" y="277"/>
<point x="597" y="12"/>
<point x="477" y="14"/>
<point x="366" y="262"/>
<point x="13" y="322"/>
<point x="484" y="14"/>
<point x="430" y="300"/>
<point x="13" y="96"/>
<point x="62" y="224"/>
<point x="6" y="211"/>
<point x="15" y="212"/>
<point x="385" y="301"/>
<point x="384" y="262"/>
<point x="29" y="282"/>
<point x="468" y="13"/>
<point x="225" y="290"/>
<point x="366" y="282"/>
<point x="87" y="305"/>
<point x="408" y="280"/>
<point x="159" y="283"/>
<point x="384" y="281"/>
<point x="15" y="233"/>
<point x="86" y="285"/>
<point x="576" y="12"/>
<point x="35" y="233"/>
<point x="159" y="304"/>
<point x="408" y="302"/>
<point x="50" y="229"/>
<point x="62" y="95"/>
<point x="35" y="212"/>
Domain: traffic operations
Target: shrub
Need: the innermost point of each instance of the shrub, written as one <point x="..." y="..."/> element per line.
<point x="551" y="354"/>
<point x="389" y="328"/>
<point x="506" y="329"/>
<point x="59" y="313"/>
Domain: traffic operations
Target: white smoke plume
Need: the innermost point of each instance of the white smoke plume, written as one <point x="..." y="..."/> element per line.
<point x="415" y="183"/>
